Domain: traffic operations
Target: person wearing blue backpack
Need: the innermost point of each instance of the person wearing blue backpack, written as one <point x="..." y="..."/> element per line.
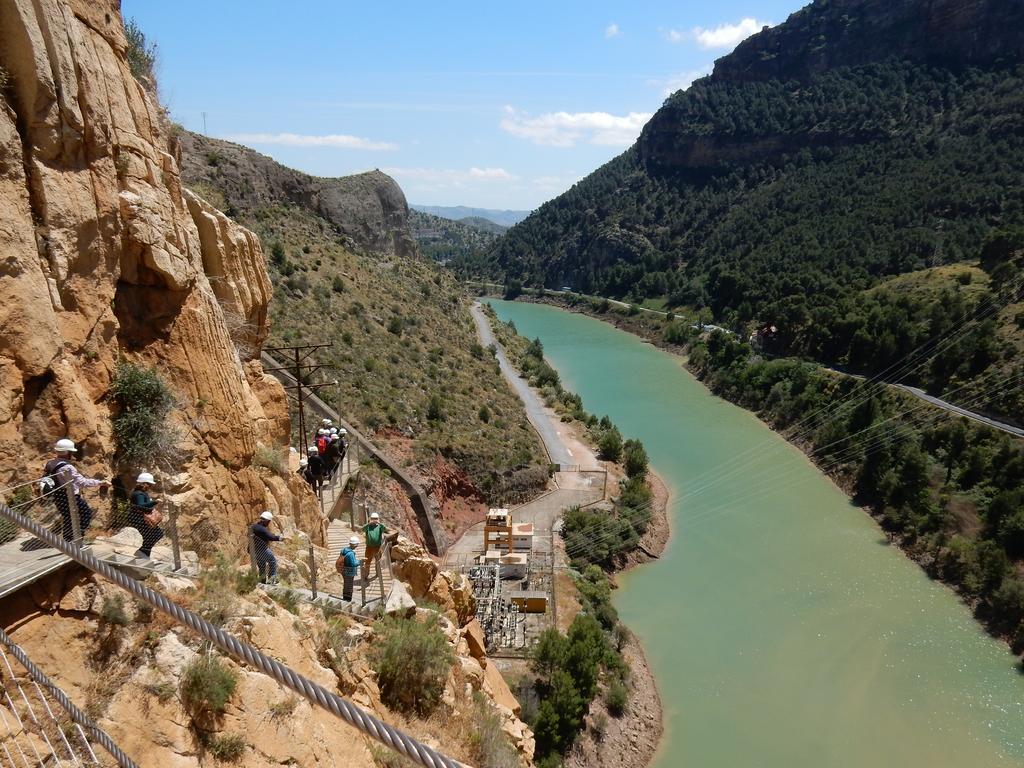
<point x="348" y="566"/>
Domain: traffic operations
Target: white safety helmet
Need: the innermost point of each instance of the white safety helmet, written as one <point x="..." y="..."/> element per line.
<point x="353" y="541"/>
<point x="374" y="516"/>
<point x="325" y="422"/>
<point x="65" y="446"/>
<point x="145" y="478"/>
<point x="334" y="430"/>
<point x="321" y="431"/>
<point x="312" y="450"/>
<point x="267" y="515"/>
<point x="335" y="437"/>
<point x="342" y="431"/>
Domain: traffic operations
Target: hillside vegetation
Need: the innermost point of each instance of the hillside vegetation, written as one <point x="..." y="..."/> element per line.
<point x="409" y="368"/>
<point x="444" y="240"/>
<point x="780" y="192"/>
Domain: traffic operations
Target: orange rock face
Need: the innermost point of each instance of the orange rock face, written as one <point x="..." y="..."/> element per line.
<point x="104" y="256"/>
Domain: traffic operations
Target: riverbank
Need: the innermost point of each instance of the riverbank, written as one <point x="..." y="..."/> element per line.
<point x="945" y="564"/>
<point x="632" y="740"/>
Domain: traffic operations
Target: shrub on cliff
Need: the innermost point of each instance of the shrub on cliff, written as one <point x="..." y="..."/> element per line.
<point x="140" y="426"/>
<point x="206" y="685"/>
<point x="412" y="660"/>
<point x="141" y="55"/>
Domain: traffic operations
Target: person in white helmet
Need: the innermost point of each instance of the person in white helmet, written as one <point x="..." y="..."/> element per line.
<point x="55" y="467"/>
<point x="376" y="534"/>
<point x="144" y="516"/>
<point x="266" y="563"/>
<point x="348" y="566"/>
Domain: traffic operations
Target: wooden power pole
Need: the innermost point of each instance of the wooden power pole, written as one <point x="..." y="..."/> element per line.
<point x="299" y="368"/>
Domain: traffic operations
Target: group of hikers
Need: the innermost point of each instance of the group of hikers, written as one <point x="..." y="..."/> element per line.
<point x="145" y="517"/>
<point x="323" y="459"/>
<point x="348" y="564"/>
<point x="144" y="514"/>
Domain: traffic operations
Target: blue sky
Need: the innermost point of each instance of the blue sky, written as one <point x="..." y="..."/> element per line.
<point x="490" y="105"/>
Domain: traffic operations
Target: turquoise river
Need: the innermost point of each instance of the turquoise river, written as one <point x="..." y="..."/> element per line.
<point x="782" y="630"/>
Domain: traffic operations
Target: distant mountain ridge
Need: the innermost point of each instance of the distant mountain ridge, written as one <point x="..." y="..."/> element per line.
<point x="505" y="218"/>
<point x="443" y="239"/>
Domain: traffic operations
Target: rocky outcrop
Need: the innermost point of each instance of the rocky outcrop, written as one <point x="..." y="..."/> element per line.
<point x="368" y="208"/>
<point x="106" y="257"/>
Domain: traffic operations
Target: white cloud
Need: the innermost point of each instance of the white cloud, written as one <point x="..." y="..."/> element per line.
<point x="306" y="140"/>
<point x="728" y="35"/>
<point x="674" y="36"/>
<point x="564" y="129"/>
<point x="612" y="30"/>
<point x="432" y="179"/>
<point x="679" y="81"/>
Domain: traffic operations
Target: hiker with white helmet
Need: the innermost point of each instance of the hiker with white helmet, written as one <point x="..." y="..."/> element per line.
<point x="376" y="534"/>
<point x="266" y="563"/>
<point x="144" y="516"/>
<point x="348" y="566"/>
<point x="54" y="470"/>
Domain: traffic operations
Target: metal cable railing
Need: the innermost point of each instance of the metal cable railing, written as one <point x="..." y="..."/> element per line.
<point x="386" y="734"/>
<point x="83" y="722"/>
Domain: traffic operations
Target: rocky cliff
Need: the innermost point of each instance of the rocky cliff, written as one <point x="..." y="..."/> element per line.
<point x="106" y="257"/>
<point x="368" y="208"/>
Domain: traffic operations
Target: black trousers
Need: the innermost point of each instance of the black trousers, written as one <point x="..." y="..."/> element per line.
<point x="85" y="514"/>
<point x="151" y="534"/>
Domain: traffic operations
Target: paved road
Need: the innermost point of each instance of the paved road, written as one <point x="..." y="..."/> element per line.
<point x="557" y="452"/>
<point x="995" y="423"/>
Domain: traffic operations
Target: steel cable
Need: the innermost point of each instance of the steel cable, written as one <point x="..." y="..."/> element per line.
<point x="388" y="735"/>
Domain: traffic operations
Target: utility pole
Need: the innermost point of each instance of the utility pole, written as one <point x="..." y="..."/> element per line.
<point x="204" y="124"/>
<point x="299" y="368"/>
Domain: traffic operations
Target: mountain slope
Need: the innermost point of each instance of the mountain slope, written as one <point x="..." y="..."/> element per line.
<point x="808" y="167"/>
<point x="409" y="368"/>
<point x="442" y="239"/>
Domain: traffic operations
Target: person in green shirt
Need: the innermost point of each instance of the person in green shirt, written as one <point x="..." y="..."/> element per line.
<point x="376" y="533"/>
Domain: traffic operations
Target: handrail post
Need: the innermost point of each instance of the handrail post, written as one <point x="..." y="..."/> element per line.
<point x="380" y="567"/>
<point x="69" y="490"/>
<point x="172" y="523"/>
<point x="312" y="570"/>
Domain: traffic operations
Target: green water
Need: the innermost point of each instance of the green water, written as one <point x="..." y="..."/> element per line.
<point x="782" y="630"/>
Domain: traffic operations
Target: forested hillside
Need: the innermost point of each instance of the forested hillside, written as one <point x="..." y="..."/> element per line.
<point x="810" y="168"/>
<point x="443" y="239"/>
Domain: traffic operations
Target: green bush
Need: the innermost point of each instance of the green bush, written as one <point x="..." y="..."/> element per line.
<point x="228" y="748"/>
<point x="112" y="611"/>
<point x="207" y="684"/>
<point x="412" y="660"/>
<point x="337" y="284"/>
<point x="616" y="698"/>
<point x="435" y="408"/>
<point x="144" y="402"/>
<point x="141" y="55"/>
<point x="492" y="746"/>
<point x="610" y="444"/>
<point x="635" y="458"/>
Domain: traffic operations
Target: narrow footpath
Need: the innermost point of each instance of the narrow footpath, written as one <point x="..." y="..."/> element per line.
<point x="558" y="452"/>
